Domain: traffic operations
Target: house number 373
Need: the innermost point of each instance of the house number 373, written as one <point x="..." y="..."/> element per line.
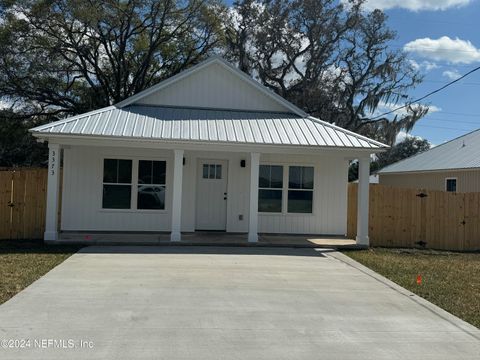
<point x="53" y="162"/>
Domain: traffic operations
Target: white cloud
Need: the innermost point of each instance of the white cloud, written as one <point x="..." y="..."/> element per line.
<point x="424" y="65"/>
<point x="454" y="51"/>
<point x="402" y="135"/>
<point x="414" y="5"/>
<point x="452" y="74"/>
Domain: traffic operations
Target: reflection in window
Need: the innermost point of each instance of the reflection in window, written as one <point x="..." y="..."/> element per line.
<point x="117" y="184"/>
<point x="300" y="189"/>
<point x="270" y="183"/>
<point x="151" y="184"/>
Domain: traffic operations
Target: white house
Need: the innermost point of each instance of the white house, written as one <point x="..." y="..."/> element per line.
<point x="207" y="149"/>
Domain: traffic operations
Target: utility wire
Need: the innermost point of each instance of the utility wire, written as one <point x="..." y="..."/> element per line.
<point x="427" y="95"/>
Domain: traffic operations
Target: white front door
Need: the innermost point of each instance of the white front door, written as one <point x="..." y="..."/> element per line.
<point x="211" y="195"/>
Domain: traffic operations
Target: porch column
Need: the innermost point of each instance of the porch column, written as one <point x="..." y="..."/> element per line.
<point x="363" y="200"/>
<point x="253" y="213"/>
<point x="177" y="195"/>
<point x="53" y="183"/>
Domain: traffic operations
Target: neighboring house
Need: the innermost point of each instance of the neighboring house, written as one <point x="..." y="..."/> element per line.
<point x="207" y="149"/>
<point x="373" y="179"/>
<point x="452" y="166"/>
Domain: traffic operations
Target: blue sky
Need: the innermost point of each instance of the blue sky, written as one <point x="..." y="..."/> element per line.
<point x="443" y="39"/>
<point x="459" y="104"/>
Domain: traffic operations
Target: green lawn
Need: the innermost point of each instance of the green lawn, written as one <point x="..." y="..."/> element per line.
<point x="449" y="280"/>
<point x="22" y="262"/>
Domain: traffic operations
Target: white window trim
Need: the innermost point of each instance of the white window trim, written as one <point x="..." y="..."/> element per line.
<point x="134" y="184"/>
<point x="456" y="183"/>
<point x="285" y="188"/>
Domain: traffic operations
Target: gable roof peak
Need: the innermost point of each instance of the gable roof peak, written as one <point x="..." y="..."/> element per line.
<point x="214" y="59"/>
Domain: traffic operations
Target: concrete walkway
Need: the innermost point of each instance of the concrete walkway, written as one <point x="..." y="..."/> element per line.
<point x="225" y="303"/>
<point x="207" y="238"/>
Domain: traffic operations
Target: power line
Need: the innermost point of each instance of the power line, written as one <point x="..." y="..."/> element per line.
<point x="445" y="82"/>
<point x="452" y="121"/>
<point x="460" y="114"/>
<point x="427" y="95"/>
<point x="443" y="127"/>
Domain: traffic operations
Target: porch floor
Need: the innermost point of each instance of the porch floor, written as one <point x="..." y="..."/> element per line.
<point x="207" y="238"/>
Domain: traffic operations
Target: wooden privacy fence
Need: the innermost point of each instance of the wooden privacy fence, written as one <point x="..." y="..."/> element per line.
<point x="398" y="217"/>
<point x="417" y="217"/>
<point x="22" y="203"/>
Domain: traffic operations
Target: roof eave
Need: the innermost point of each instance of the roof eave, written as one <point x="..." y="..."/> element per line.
<point x="47" y="136"/>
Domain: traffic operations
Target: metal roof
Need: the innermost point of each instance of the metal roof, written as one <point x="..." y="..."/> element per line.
<point x="163" y="123"/>
<point x="460" y="153"/>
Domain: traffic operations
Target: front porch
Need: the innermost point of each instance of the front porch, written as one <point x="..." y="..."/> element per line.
<point x="206" y="238"/>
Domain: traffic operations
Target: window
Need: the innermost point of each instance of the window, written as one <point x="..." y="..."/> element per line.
<point x="270" y="192"/>
<point x="151" y="184"/>
<point x="300" y="189"/>
<point x="212" y="171"/>
<point x="117" y="184"/>
<point x="451" y="184"/>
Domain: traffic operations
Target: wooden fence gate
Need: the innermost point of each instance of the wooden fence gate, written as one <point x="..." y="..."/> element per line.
<point x="22" y="203"/>
<point x="417" y="217"/>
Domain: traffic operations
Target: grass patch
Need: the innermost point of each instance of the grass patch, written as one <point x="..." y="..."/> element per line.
<point x="24" y="261"/>
<point x="449" y="280"/>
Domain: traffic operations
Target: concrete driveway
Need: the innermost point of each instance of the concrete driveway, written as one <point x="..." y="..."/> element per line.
<point x="225" y="303"/>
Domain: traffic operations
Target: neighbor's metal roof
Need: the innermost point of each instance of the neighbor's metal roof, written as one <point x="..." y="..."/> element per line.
<point x="460" y="153"/>
<point x="207" y="125"/>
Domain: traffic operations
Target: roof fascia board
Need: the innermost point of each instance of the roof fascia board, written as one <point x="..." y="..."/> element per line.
<point x="347" y="152"/>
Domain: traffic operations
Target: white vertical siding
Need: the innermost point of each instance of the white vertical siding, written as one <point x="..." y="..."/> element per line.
<point x="214" y="87"/>
<point x="329" y="198"/>
<point x="82" y="195"/>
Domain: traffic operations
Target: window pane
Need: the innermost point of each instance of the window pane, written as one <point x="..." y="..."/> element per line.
<point x="110" y="170"/>
<point x="264" y="176"/>
<point x="300" y="201"/>
<point x="218" y="172"/>
<point x="295" y="177"/>
<point x="276" y="173"/>
<point x="211" y="174"/>
<point x="205" y="171"/>
<point x="307" y="177"/>
<point x="116" y="196"/>
<point x="269" y="200"/>
<point x="145" y="172"/>
<point x="451" y="185"/>
<point x="125" y="171"/>
<point x="151" y="197"/>
<point x="159" y="171"/>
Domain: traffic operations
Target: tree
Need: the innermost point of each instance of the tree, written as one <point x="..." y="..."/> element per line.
<point x="409" y="147"/>
<point x="332" y="60"/>
<point x="64" y="57"/>
<point x="18" y="147"/>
